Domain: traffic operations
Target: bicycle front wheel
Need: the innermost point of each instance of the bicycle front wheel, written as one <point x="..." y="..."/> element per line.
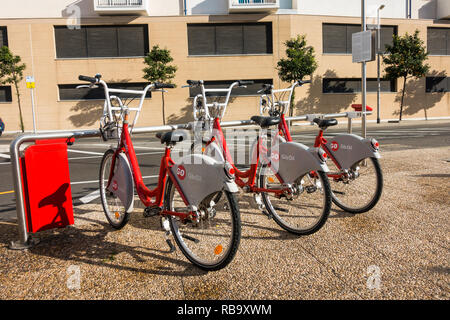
<point x="305" y="209"/>
<point x="112" y="206"/>
<point x="211" y="241"/>
<point x="361" y="188"/>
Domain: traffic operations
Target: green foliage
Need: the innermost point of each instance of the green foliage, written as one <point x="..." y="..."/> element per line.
<point x="405" y="58"/>
<point x="11" y="72"/>
<point x="157" y="69"/>
<point x="300" y="60"/>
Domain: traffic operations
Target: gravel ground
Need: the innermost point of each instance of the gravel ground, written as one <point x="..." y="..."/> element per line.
<point x="404" y="240"/>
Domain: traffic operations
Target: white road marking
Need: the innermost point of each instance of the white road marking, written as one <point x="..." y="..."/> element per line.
<point x="6" y="156"/>
<point x="85" y="152"/>
<point x="96" y="194"/>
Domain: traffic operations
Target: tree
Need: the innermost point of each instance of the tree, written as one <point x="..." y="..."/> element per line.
<point x="300" y="62"/>
<point x="159" y="70"/>
<point x="11" y="72"/>
<point x="405" y="58"/>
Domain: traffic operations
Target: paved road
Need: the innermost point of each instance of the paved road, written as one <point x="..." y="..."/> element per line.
<point x="85" y="155"/>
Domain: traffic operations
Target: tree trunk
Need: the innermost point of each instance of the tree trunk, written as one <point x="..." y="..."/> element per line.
<point x="20" y="107"/>
<point x="163" y="109"/>
<point x="403" y="96"/>
<point x="292" y="104"/>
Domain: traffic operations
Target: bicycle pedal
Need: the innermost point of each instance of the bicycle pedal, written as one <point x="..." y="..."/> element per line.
<point x="151" y="212"/>
<point x="311" y="189"/>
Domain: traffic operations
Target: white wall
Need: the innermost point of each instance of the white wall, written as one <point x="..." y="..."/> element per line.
<point x="45" y="8"/>
<point x="207" y="7"/>
<point x="420" y="9"/>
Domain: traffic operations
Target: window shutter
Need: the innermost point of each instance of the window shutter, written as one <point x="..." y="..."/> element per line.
<point x="70" y="43"/>
<point x="334" y="38"/>
<point x="5" y="94"/>
<point x="437" y="41"/>
<point x="3" y="37"/>
<point x="132" y="41"/>
<point x="256" y="39"/>
<point x="102" y="41"/>
<point x="229" y="39"/>
<point x="201" y="40"/>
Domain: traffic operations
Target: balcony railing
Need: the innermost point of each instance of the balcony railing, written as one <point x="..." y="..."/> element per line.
<point x="253" y="2"/>
<point x="121" y="7"/>
<point x="119" y="3"/>
<point x="252" y="5"/>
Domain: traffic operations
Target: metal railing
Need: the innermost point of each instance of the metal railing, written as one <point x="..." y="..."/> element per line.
<point x="253" y="2"/>
<point x="119" y="3"/>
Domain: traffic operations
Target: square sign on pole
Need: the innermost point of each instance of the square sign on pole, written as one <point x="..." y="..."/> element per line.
<point x="363" y="46"/>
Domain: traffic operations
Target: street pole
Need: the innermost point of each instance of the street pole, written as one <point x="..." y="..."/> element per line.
<point x="378" y="61"/>
<point x="34" y="113"/>
<point x="363" y="72"/>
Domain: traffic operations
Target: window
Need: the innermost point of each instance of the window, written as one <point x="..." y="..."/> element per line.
<point x="230" y="39"/>
<point x="250" y="90"/>
<point x="101" y="41"/>
<point x="351" y="85"/>
<point x="438" y="84"/>
<point x="337" y="38"/>
<point x="3" y="37"/>
<point x="5" y="94"/>
<point x="70" y="92"/>
<point x="438" y="41"/>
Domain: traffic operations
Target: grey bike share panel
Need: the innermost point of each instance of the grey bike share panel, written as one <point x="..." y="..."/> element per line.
<point x="122" y="185"/>
<point x="199" y="176"/>
<point x="348" y="149"/>
<point x="295" y="160"/>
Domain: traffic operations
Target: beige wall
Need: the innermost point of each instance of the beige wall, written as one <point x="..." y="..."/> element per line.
<point x="171" y="32"/>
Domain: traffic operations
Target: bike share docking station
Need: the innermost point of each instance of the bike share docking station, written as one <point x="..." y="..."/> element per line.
<point x="42" y="180"/>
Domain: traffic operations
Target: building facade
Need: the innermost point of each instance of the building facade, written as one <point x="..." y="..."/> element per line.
<point x="215" y="40"/>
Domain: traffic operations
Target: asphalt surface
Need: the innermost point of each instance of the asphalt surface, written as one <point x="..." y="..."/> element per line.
<point x="399" y="250"/>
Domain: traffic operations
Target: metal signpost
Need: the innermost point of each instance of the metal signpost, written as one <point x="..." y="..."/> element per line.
<point x="363" y="51"/>
<point x="31" y="85"/>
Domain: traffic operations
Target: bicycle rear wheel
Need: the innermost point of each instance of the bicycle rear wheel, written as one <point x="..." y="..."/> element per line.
<point x="112" y="206"/>
<point x="309" y="208"/>
<point x="210" y="242"/>
<point x="361" y="190"/>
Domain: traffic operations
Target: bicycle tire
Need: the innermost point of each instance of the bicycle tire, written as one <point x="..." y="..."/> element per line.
<point x="376" y="195"/>
<point x="221" y="256"/>
<point x="112" y="206"/>
<point x="323" y="205"/>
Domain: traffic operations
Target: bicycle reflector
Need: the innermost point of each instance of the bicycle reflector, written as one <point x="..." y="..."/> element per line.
<point x="229" y="170"/>
<point x="322" y="155"/>
<point x="375" y="144"/>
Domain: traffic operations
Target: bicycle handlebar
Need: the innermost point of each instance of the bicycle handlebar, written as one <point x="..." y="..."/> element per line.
<point x="88" y="79"/>
<point x="194" y="82"/>
<point x="159" y="85"/>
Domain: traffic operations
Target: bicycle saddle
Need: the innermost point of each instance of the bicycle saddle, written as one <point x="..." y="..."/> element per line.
<point x="171" y="137"/>
<point x="265" y="122"/>
<point x="323" y="124"/>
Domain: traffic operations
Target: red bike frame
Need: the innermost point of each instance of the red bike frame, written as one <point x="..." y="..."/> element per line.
<point x="145" y="194"/>
<point x="319" y="142"/>
<point x="250" y="174"/>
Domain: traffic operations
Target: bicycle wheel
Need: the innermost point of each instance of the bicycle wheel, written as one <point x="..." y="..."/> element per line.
<point x="307" y="210"/>
<point x="210" y="242"/>
<point x="112" y="206"/>
<point x="361" y="189"/>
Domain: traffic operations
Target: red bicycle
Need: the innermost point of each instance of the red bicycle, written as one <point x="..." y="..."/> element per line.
<point x="355" y="175"/>
<point x="207" y="232"/>
<point x="282" y="187"/>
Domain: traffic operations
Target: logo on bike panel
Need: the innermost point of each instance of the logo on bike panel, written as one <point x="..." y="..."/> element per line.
<point x="334" y="146"/>
<point x="115" y="186"/>
<point x="181" y="172"/>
